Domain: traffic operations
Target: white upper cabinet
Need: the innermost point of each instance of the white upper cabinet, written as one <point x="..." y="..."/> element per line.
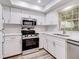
<point x="35" y="15"/>
<point x="40" y="20"/>
<point x="6" y="14"/>
<point x="12" y="15"/>
<point x="25" y="14"/>
<point x="51" y="18"/>
<point x="16" y="16"/>
<point x="1" y="21"/>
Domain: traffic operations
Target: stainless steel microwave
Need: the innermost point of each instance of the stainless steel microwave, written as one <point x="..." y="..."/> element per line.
<point x="29" y="22"/>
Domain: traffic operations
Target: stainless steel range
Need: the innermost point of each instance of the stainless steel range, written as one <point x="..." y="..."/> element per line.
<point x="30" y="40"/>
<point x="29" y="43"/>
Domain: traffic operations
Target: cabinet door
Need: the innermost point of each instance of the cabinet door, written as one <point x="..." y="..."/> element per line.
<point x="41" y="41"/>
<point x="60" y="52"/>
<point x="52" y="18"/>
<point x="16" y="16"/>
<point x="45" y="42"/>
<point x="60" y="49"/>
<point x="1" y="39"/>
<point x="51" y="45"/>
<point x="6" y="14"/>
<point x="0" y="11"/>
<point x="12" y="46"/>
<point x="1" y="21"/>
<point x="40" y="20"/>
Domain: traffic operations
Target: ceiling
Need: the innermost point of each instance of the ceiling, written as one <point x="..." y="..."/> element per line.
<point x="42" y="4"/>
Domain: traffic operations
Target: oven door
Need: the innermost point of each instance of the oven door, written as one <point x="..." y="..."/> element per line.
<point x="30" y="43"/>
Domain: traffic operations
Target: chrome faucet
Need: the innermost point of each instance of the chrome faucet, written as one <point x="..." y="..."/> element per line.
<point x="64" y="32"/>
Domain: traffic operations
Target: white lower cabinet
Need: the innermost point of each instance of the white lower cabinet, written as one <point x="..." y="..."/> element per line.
<point x="41" y="41"/>
<point x="12" y="46"/>
<point x="51" y="45"/>
<point x="45" y="44"/>
<point x="54" y="45"/>
<point x="60" y="52"/>
<point x="60" y="46"/>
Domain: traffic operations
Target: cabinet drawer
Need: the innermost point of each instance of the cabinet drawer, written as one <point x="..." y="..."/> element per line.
<point x="12" y="37"/>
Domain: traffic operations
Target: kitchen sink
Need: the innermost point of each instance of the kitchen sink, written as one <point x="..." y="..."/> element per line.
<point x="65" y="35"/>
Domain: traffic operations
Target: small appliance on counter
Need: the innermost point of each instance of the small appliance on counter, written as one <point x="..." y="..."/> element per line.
<point x="30" y="39"/>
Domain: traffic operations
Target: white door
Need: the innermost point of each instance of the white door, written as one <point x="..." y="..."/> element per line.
<point x="12" y="46"/>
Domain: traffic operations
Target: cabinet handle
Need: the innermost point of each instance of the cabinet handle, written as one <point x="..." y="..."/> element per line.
<point x="13" y="38"/>
<point x="46" y="40"/>
<point x="3" y="18"/>
<point x="53" y="43"/>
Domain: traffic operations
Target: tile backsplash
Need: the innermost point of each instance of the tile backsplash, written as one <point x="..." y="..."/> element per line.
<point x="12" y="29"/>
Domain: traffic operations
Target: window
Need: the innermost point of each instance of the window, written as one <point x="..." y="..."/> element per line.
<point x="69" y="20"/>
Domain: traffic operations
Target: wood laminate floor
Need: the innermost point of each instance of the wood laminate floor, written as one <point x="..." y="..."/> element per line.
<point x="42" y="54"/>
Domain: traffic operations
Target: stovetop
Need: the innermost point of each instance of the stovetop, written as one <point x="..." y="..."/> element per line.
<point x="36" y="35"/>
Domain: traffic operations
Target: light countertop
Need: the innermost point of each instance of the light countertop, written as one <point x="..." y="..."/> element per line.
<point x="74" y="37"/>
<point x="13" y="34"/>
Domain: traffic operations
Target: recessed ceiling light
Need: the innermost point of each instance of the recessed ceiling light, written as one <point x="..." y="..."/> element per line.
<point x="39" y="1"/>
